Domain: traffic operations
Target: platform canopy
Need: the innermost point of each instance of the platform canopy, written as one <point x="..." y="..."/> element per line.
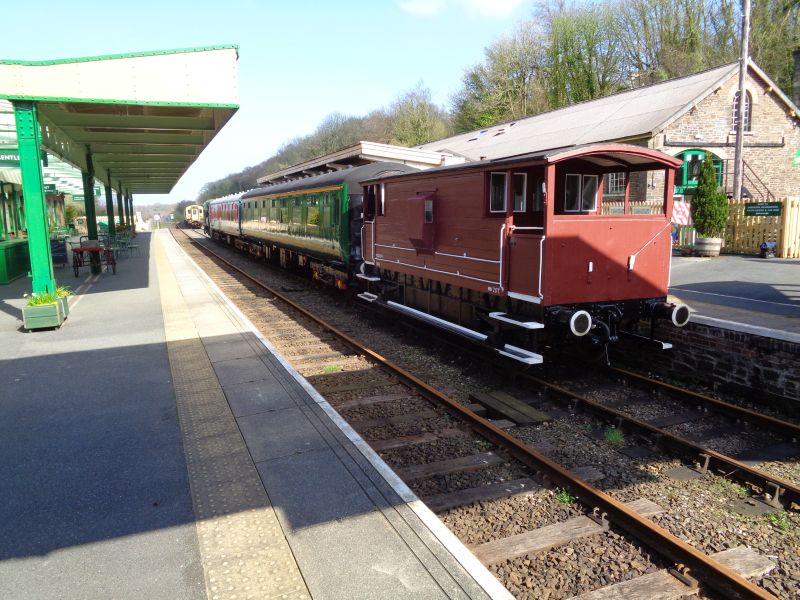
<point x="143" y="117"/>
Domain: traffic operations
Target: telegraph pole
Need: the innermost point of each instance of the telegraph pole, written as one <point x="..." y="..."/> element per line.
<point x="738" y="170"/>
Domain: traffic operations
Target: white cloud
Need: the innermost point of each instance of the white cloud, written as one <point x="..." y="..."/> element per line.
<point x="425" y="8"/>
<point x="498" y="9"/>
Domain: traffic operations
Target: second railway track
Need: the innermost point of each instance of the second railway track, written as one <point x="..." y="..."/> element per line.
<point x="452" y="467"/>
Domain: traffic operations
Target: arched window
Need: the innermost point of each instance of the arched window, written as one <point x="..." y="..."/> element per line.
<point x="748" y="103"/>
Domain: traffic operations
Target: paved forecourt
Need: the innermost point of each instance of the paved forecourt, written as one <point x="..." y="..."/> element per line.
<point x="334" y="516"/>
<point x="741" y="293"/>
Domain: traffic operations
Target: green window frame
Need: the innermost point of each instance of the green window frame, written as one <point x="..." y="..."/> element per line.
<point x="687" y="175"/>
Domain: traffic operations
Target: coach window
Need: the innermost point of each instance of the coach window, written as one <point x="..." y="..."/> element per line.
<point x="520" y="192"/>
<point x="284" y="218"/>
<point x="580" y="193"/>
<point x="326" y="217"/>
<point x="498" y="193"/>
<point x="572" y="200"/>
<point x="382" y="199"/>
<point x="313" y="214"/>
<point x="429" y="211"/>
<point x="369" y="202"/>
<point x="589" y="193"/>
<point x="297" y="212"/>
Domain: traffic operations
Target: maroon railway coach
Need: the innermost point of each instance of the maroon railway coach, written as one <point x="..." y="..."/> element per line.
<point x="511" y="251"/>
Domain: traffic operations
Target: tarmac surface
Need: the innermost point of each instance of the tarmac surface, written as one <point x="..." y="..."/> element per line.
<point x="756" y="292"/>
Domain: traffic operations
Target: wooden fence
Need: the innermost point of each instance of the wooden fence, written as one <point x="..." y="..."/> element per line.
<point x="745" y="234"/>
<point x="789" y="246"/>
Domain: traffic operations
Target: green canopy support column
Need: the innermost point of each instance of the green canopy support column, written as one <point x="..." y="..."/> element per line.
<point x="29" y="142"/>
<point x="120" y="212"/>
<point x="15" y="220"/>
<point x="2" y="212"/>
<point x="20" y="201"/>
<point x="110" y="208"/>
<point x="88" y="202"/>
<point x="130" y="212"/>
<point x="125" y="208"/>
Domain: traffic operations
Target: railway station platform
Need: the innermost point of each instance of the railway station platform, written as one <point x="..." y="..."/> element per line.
<point x="156" y="447"/>
<point x="742" y="293"/>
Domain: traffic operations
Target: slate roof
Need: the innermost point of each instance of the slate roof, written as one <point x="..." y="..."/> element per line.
<point x="628" y="115"/>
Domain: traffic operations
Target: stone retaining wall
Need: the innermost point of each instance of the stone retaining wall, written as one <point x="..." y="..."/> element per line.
<point x="726" y="360"/>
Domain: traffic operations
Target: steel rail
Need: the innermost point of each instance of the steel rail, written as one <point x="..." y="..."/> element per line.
<point x="780" y="489"/>
<point x="738" y="412"/>
<point x="688" y="559"/>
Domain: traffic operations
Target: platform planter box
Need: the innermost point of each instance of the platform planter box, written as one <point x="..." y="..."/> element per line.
<point x="42" y="316"/>
<point x="63" y="293"/>
<point x="64" y="302"/>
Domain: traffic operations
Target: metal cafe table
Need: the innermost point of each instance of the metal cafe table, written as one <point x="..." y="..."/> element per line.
<point x="83" y="256"/>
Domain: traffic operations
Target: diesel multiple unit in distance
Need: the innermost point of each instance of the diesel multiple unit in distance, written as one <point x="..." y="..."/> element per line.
<point x="194" y="216"/>
<point x="509" y="253"/>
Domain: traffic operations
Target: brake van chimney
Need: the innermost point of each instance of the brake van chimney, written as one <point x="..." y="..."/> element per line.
<point x="796" y="80"/>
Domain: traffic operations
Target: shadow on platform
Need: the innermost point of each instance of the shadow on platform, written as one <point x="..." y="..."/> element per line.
<point x="91" y="449"/>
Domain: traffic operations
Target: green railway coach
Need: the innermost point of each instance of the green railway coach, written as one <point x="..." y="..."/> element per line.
<point x="314" y="222"/>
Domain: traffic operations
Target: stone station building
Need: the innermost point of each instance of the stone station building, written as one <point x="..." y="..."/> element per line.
<point x="684" y="117"/>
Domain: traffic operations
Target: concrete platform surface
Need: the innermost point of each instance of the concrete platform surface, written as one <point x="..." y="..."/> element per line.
<point x="754" y="292"/>
<point x="95" y="497"/>
<point x="157" y="447"/>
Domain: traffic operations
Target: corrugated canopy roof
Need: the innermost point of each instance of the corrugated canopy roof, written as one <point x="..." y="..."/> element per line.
<point x="360" y="154"/>
<point x="145" y="116"/>
<point x="623" y="116"/>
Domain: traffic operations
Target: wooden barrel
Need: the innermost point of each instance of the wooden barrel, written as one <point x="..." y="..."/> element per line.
<point x="707" y="246"/>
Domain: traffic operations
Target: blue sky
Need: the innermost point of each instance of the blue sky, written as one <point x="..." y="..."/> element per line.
<point x="298" y="61"/>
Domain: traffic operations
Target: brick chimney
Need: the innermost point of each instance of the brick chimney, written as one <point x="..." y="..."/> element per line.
<point x="796" y="81"/>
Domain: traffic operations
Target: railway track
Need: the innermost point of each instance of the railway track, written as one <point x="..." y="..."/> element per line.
<point x="449" y="464"/>
<point x="776" y="491"/>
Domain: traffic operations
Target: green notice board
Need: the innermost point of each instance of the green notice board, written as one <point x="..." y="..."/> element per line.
<point x="796" y="161"/>
<point x="763" y="209"/>
<point x="9" y="158"/>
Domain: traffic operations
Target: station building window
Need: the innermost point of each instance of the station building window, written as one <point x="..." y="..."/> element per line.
<point x="748" y="104"/>
<point x="614" y="184"/>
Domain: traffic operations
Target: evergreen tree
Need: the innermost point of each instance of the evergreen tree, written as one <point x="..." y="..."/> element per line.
<point x="710" y="203"/>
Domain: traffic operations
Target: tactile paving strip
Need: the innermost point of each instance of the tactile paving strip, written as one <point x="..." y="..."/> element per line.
<point x="242" y="546"/>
